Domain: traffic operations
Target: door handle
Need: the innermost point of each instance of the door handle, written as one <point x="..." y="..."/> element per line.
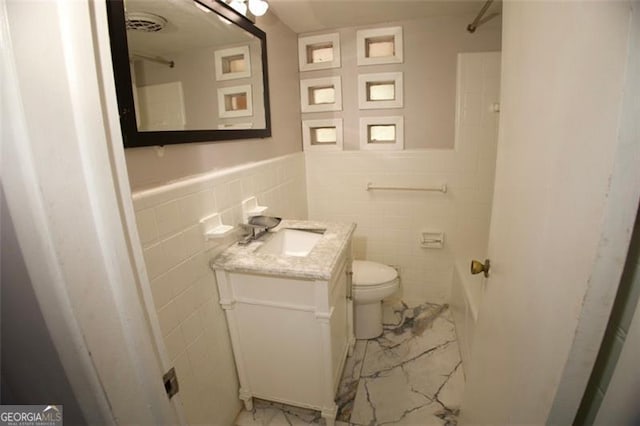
<point x="477" y="267"/>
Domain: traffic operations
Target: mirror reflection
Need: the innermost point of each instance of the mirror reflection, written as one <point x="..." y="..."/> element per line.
<point x="192" y="69"/>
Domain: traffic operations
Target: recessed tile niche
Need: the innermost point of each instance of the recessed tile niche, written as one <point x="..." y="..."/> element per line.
<point x="235" y="101"/>
<point x="382" y="133"/>
<point x="232" y="63"/>
<point x="319" y="52"/>
<point x="321" y="94"/>
<point x="382" y="90"/>
<point x="322" y="135"/>
<point x="379" y="46"/>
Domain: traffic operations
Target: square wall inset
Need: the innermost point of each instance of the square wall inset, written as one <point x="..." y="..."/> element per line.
<point x="319" y="52"/>
<point x="321" y="94"/>
<point x="419" y="85"/>
<point x="380" y="90"/>
<point x="380" y="46"/>
<point x="322" y="134"/>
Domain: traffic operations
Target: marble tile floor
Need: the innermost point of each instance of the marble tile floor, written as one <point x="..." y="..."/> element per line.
<point x="411" y="375"/>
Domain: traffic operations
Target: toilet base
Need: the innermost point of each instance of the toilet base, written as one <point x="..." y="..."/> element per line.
<point x="368" y="320"/>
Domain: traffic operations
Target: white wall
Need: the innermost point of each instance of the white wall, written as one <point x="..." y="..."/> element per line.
<point x="390" y="222"/>
<point x="147" y="169"/>
<point x="183" y="286"/>
<point x="431" y="46"/>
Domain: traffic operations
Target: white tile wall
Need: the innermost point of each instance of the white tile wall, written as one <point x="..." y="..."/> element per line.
<point x="390" y="222"/>
<point x="183" y="287"/>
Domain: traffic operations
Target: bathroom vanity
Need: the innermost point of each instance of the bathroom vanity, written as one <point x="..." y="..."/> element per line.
<point x="289" y="311"/>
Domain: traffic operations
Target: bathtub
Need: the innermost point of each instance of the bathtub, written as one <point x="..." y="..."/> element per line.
<point x="466" y="293"/>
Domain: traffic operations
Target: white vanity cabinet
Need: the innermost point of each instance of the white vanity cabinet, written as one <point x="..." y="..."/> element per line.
<point x="290" y="334"/>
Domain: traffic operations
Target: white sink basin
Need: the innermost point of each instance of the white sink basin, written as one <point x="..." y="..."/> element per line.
<point x="291" y="242"/>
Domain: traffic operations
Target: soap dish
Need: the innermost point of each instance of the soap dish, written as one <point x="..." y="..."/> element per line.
<point x="212" y="227"/>
<point x="251" y="208"/>
<point x="267" y="222"/>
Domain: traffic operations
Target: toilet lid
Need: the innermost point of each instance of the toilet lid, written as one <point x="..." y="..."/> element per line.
<point x="366" y="272"/>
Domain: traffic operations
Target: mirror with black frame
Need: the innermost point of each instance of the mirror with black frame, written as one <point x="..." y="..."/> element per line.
<point x="187" y="71"/>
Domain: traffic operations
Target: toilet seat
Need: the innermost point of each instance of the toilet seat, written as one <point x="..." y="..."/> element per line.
<point x="371" y="275"/>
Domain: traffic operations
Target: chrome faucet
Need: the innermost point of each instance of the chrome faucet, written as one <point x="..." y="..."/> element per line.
<point x="257" y="227"/>
<point x="254" y="232"/>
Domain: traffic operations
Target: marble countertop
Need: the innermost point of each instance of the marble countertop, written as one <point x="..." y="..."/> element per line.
<point x="318" y="264"/>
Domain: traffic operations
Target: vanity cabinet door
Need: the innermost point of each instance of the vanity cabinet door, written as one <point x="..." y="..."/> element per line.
<point x="339" y="323"/>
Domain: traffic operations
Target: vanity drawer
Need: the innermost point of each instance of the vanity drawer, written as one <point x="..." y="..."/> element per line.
<point x="273" y="291"/>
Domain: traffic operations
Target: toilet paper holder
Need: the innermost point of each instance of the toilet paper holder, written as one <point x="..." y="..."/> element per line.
<point x="432" y="239"/>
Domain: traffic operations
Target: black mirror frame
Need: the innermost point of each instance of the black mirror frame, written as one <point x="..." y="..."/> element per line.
<point x="124" y="89"/>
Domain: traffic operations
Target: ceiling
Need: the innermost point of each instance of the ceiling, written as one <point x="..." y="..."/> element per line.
<point x="304" y="16"/>
<point x="188" y="27"/>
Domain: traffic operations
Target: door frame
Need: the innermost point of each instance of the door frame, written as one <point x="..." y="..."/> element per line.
<point x="68" y="194"/>
<point x="619" y="217"/>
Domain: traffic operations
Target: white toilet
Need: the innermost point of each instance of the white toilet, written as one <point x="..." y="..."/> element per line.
<point x="372" y="282"/>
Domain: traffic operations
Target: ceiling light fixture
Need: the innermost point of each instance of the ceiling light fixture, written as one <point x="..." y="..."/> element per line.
<point x="239" y="6"/>
<point x="258" y="7"/>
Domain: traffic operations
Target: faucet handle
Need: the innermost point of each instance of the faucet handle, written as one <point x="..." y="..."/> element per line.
<point x="254" y="232"/>
<point x="249" y="229"/>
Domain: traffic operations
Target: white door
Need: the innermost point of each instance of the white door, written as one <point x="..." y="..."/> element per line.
<point x="161" y="106"/>
<point x="563" y="79"/>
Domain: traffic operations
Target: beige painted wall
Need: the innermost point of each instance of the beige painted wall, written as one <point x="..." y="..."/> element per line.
<point x="146" y="168"/>
<point x="431" y="46"/>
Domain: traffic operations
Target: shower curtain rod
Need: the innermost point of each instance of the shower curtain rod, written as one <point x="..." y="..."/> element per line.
<point x="479" y="21"/>
<point x="157" y="60"/>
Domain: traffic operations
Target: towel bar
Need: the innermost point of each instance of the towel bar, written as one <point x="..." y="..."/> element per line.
<point x="442" y="188"/>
